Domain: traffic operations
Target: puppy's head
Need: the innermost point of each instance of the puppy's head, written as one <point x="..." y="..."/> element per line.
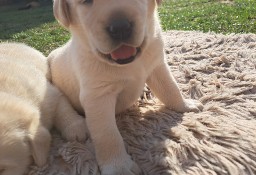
<point x="115" y="30"/>
<point x="20" y="131"/>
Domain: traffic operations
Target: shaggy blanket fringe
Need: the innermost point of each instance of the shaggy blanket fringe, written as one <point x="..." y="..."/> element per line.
<point x="220" y="71"/>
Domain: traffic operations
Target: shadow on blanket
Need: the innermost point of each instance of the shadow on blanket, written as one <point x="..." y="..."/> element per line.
<point x="218" y="70"/>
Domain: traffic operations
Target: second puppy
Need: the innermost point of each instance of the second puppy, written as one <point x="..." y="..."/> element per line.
<point x="29" y="106"/>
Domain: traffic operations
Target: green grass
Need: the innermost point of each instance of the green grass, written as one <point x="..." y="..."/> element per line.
<point x="238" y="16"/>
<point x="38" y="28"/>
<point x="35" y="27"/>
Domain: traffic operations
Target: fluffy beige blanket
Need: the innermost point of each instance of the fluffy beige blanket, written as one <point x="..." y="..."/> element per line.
<point x="220" y="71"/>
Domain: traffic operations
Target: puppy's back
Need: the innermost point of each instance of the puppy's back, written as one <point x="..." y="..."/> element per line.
<point x="24" y="54"/>
<point x="23" y="72"/>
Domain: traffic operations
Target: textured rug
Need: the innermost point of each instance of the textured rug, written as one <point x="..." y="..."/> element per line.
<point x="220" y="71"/>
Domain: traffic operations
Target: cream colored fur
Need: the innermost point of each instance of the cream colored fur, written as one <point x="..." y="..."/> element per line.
<point x="101" y="88"/>
<point x="29" y="106"/>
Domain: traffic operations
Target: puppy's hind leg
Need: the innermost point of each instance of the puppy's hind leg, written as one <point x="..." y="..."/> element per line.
<point x="71" y="125"/>
<point x="69" y="122"/>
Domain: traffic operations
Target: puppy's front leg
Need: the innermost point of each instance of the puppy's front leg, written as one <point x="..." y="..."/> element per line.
<point x="165" y="87"/>
<point x="109" y="146"/>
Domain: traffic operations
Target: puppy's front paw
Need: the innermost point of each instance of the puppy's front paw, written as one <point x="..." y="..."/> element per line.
<point x="77" y="130"/>
<point x="123" y="167"/>
<point x="191" y="105"/>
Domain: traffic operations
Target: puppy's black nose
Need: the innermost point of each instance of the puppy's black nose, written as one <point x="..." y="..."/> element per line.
<point x="120" y="29"/>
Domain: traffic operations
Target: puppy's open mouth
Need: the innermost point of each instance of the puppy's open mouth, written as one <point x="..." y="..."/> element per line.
<point x="123" y="55"/>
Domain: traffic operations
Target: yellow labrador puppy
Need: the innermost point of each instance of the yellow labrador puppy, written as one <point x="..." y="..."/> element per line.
<point x="29" y="106"/>
<point x="116" y="47"/>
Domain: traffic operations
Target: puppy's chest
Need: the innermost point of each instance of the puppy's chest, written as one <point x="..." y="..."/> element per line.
<point x="130" y="92"/>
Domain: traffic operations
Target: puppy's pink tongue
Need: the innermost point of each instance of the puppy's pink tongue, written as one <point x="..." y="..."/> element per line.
<point x="123" y="52"/>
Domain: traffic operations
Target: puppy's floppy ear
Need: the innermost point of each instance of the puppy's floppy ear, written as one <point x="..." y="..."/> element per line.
<point x="40" y="140"/>
<point x="159" y="2"/>
<point x="61" y="12"/>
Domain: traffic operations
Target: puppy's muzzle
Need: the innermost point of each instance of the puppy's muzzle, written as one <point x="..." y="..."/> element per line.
<point x="121" y="32"/>
<point x="120" y="29"/>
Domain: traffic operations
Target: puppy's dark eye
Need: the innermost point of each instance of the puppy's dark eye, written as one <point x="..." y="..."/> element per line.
<point x="87" y="1"/>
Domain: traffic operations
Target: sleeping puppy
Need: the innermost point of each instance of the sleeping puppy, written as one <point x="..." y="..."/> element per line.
<point x="29" y="106"/>
<point x="116" y="47"/>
